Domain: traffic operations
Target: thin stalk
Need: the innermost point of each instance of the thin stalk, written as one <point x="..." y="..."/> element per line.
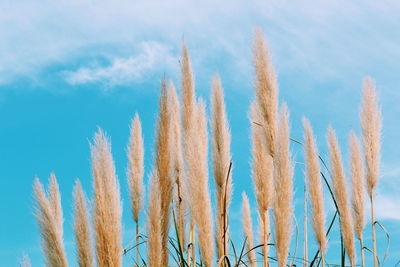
<point x="305" y="239"/>
<point x="373" y="231"/>
<point x="323" y="258"/>
<point x="266" y="238"/>
<point x="137" y="242"/>
<point x="362" y="253"/>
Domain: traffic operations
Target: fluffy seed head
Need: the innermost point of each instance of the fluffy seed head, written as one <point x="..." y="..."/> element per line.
<point x="82" y="228"/>
<point x="107" y="205"/>
<point x="339" y="186"/>
<point x="154" y="245"/>
<point x="314" y="185"/>
<point x="358" y="184"/>
<point x="283" y="210"/>
<point x="266" y="90"/>
<point x="248" y="230"/>
<point x="135" y="154"/>
<point x="371" y="124"/>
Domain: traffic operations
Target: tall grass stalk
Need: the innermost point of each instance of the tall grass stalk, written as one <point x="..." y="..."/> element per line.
<point x="107" y="204"/>
<point x="371" y="124"/>
<point x="221" y="158"/>
<point x="135" y="170"/>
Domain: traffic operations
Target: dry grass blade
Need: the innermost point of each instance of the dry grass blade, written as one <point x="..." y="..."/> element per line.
<point x="314" y="186"/>
<point x="107" y="206"/>
<point x="283" y="210"/>
<point x="82" y="228"/>
<point x="340" y="189"/>
<point x="266" y="89"/>
<point x="49" y="220"/>
<point x="221" y="156"/>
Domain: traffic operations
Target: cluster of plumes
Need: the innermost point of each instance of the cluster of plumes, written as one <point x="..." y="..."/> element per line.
<point x="179" y="182"/>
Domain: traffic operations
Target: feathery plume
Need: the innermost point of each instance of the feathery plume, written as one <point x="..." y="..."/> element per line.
<point x="283" y="189"/>
<point x="262" y="173"/>
<point x="248" y="230"/>
<point x="48" y="212"/>
<point x="177" y="158"/>
<point x="358" y="189"/>
<point x="82" y="228"/>
<point x="163" y="163"/>
<point x="339" y="186"/>
<point x="221" y="157"/>
<point x="135" y="167"/>
<point x="188" y="92"/>
<point x="266" y="90"/>
<point x="371" y="124"/>
<point x="107" y="206"/>
<point x="314" y="186"/>
<point x="154" y="241"/>
<point x="199" y="202"/>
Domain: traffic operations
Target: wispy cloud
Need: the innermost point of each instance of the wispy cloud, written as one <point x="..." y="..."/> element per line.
<point x="152" y="56"/>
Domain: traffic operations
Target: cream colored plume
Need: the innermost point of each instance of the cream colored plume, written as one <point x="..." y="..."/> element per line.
<point x="314" y="186"/>
<point x="248" y="230"/>
<point x="340" y="190"/>
<point x="266" y="90"/>
<point x="107" y="205"/>
<point x="283" y="210"/>
<point x="49" y="216"/>
<point x="154" y="232"/>
<point x="82" y="228"/>
<point x="135" y="153"/>
<point x="221" y="157"/>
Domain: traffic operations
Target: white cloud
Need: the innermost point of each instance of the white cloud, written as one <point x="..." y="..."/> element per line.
<point x="37" y="34"/>
<point x="152" y="56"/>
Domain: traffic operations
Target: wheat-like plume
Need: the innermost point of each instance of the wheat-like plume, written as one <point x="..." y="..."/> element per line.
<point x="314" y="186"/>
<point x="48" y="212"/>
<point x="371" y="129"/>
<point x="221" y="157"/>
<point x="248" y="230"/>
<point x="164" y="164"/>
<point x="371" y="124"/>
<point x="358" y="184"/>
<point x="283" y="189"/>
<point x="188" y="92"/>
<point x="135" y="153"/>
<point x="197" y="184"/>
<point x="266" y="89"/>
<point x="358" y="189"/>
<point x="82" y="228"/>
<point x="107" y="206"/>
<point x="262" y="173"/>
<point x="339" y="186"/>
<point x="177" y="165"/>
<point x="154" y="237"/>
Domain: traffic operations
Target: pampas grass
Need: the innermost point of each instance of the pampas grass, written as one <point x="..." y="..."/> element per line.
<point x="25" y="262"/>
<point x="266" y="90"/>
<point x="262" y="173"/>
<point x="107" y="206"/>
<point x="248" y="230"/>
<point x="358" y="189"/>
<point x="371" y="124"/>
<point x="221" y="158"/>
<point x="49" y="216"/>
<point x="82" y="228"/>
<point x="180" y="198"/>
<point x="339" y="186"/>
<point x="314" y="187"/>
<point x="163" y="166"/>
<point x="283" y="182"/>
<point x="154" y="230"/>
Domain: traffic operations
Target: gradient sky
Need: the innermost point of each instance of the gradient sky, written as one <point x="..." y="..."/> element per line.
<point x="67" y="67"/>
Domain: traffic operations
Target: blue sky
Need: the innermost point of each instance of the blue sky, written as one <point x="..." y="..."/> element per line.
<point x="67" y="67"/>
